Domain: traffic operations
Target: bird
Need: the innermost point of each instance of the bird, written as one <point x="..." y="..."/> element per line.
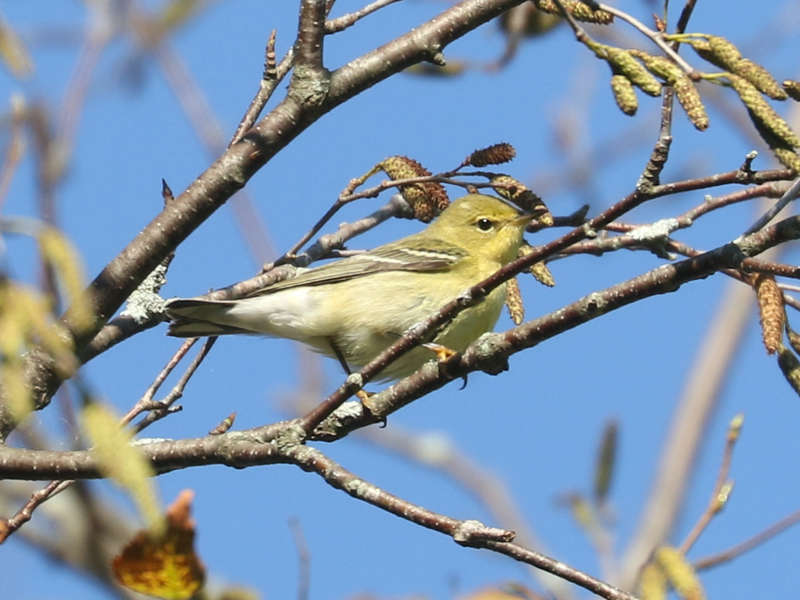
<point x="353" y="308"/>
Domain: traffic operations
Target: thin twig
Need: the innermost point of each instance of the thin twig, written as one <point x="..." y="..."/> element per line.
<point x="341" y="23"/>
<point x="291" y="253"/>
<point x="164" y="407"/>
<point x="97" y="38"/>
<point x="580" y="33"/>
<point x="654" y="236"/>
<point x="747" y="545"/>
<point x="716" y="502"/>
<point x="686" y="14"/>
<point x="194" y="103"/>
<point x="787" y="197"/>
<point x="272" y="75"/>
<point x="655" y="36"/>
<point x="24" y="514"/>
<point x="146" y="401"/>
<point x="396" y="207"/>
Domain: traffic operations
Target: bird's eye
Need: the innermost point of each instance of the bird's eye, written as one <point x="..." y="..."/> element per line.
<point x="484" y="224"/>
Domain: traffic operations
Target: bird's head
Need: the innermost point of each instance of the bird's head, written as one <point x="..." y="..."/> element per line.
<point x="484" y="225"/>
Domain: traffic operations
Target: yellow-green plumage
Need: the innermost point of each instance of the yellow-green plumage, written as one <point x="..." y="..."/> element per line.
<point x="362" y="304"/>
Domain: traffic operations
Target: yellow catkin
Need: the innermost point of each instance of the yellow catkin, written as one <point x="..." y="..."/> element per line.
<point x="703" y="50"/>
<point x="60" y="254"/>
<point x="578" y="10"/>
<point x="680" y="574"/>
<point x="788" y="158"/>
<point x="539" y="270"/>
<point x="725" y="52"/>
<point x="689" y="98"/>
<point x="762" y="112"/>
<point x="685" y="90"/>
<point x="792" y="89"/>
<point x="771" y="311"/>
<point x="624" y="95"/>
<point x="118" y="459"/>
<point x="761" y="78"/>
<point x="725" y="55"/>
<point x="653" y="583"/>
<point x="659" y="66"/>
<point x="623" y="63"/>
<point x="16" y="393"/>
<point x="516" y="309"/>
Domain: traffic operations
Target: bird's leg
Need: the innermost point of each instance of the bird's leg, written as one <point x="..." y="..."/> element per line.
<point x="360" y="394"/>
<point x="444" y="356"/>
<point x="443" y="353"/>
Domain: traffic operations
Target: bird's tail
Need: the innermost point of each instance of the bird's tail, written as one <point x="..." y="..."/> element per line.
<point x="191" y="317"/>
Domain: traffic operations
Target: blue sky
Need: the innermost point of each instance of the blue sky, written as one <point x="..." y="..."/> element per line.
<point x="535" y="427"/>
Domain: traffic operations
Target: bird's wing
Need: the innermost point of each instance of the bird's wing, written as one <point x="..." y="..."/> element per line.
<point x="430" y="255"/>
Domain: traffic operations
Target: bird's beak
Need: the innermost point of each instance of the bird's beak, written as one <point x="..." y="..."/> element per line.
<point x="523" y="219"/>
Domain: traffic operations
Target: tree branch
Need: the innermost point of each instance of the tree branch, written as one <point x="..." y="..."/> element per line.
<point x="262" y="445"/>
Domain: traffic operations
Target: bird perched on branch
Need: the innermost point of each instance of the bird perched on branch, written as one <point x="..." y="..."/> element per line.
<point x="354" y="308"/>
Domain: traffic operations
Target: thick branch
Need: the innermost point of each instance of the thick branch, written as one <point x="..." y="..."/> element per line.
<point x="310" y="34"/>
<point x="237" y="449"/>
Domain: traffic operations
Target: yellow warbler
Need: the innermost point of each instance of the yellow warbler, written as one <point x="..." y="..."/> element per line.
<point x="354" y="308"/>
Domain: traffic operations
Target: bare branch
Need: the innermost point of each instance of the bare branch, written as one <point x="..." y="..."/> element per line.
<point x="273" y="74"/>
<point x="146" y="401"/>
<point x="466" y="533"/>
<point x="716" y="502"/>
<point x="341" y="23"/>
<point x="24" y="514"/>
<point x="749" y="544"/>
<point x="790" y="194"/>
<point x="165" y="406"/>
<point x="310" y="36"/>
